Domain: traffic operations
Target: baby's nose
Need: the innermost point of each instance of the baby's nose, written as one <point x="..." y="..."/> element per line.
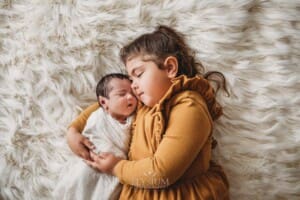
<point x="129" y="96"/>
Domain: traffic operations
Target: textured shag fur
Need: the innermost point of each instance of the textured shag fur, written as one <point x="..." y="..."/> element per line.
<point x="52" y="53"/>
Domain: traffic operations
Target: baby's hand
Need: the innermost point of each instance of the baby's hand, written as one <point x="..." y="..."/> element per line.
<point x="79" y="144"/>
<point x="103" y="162"/>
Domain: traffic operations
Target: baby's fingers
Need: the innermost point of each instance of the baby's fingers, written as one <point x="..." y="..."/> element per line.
<point x="85" y="154"/>
<point x="88" y="144"/>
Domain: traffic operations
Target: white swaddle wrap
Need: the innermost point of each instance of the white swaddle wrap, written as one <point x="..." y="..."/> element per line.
<point x="81" y="182"/>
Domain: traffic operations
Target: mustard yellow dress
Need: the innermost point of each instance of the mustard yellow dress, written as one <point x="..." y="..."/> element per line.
<point x="170" y="151"/>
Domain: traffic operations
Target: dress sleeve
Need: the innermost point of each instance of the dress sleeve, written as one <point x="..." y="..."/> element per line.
<point x="188" y="129"/>
<point x="80" y="121"/>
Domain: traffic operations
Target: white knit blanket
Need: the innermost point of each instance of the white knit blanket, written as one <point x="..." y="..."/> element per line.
<point x="53" y="52"/>
<point x="79" y="181"/>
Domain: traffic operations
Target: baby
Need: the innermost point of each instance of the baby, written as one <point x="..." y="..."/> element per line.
<point x="108" y="129"/>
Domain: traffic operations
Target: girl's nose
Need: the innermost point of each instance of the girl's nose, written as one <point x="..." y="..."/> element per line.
<point x="133" y="85"/>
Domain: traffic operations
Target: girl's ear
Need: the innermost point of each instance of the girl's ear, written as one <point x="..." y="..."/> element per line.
<point x="171" y="65"/>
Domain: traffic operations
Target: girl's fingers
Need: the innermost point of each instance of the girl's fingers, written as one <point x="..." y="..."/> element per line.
<point x="103" y="154"/>
<point x="93" y="155"/>
<point x="90" y="163"/>
<point x="98" y="157"/>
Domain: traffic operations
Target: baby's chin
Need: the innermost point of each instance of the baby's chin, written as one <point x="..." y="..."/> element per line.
<point x="129" y="112"/>
<point x="132" y="112"/>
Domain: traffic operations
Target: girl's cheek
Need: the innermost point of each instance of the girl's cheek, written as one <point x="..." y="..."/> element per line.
<point x="134" y="92"/>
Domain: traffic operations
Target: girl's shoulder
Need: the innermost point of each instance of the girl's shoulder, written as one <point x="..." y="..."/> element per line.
<point x="186" y="98"/>
<point x="196" y="90"/>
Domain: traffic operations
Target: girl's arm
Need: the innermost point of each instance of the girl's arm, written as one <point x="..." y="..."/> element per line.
<point x="76" y="141"/>
<point x="188" y="129"/>
<point x="80" y="121"/>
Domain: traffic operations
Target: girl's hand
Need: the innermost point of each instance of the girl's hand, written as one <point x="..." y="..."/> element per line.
<point x="79" y="144"/>
<point x="103" y="162"/>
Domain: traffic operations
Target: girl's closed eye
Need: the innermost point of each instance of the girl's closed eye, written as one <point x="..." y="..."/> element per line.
<point x="139" y="74"/>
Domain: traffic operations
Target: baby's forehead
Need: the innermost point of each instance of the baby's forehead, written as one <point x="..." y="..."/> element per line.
<point x="119" y="80"/>
<point x="119" y="84"/>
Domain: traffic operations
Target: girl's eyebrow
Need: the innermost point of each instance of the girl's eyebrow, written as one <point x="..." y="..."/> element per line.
<point x="136" y="69"/>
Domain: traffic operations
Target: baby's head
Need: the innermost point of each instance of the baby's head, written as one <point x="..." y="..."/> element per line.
<point x="115" y="96"/>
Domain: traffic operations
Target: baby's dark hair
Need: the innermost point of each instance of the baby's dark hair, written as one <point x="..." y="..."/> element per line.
<point x="103" y="88"/>
<point x="164" y="42"/>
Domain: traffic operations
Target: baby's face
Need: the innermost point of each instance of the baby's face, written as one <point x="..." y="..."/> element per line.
<point x="121" y="101"/>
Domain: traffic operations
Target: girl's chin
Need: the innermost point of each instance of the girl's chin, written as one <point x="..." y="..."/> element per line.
<point x="149" y="104"/>
<point x="146" y="102"/>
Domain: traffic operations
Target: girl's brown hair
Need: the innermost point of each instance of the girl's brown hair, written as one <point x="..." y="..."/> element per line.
<point x="164" y="42"/>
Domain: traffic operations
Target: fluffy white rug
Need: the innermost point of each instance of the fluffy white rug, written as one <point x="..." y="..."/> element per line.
<point x="52" y="53"/>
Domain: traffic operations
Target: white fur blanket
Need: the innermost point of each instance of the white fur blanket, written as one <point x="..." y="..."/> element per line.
<point x="52" y="53"/>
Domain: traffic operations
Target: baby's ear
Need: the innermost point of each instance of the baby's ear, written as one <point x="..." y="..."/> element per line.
<point x="102" y="101"/>
<point x="171" y="65"/>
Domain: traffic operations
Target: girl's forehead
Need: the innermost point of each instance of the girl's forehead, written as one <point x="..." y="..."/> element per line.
<point x="137" y="61"/>
<point x="133" y="63"/>
<point x="143" y="57"/>
<point x="134" y="59"/>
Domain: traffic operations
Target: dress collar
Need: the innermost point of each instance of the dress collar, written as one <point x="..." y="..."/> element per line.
<point x="197" y="84"/>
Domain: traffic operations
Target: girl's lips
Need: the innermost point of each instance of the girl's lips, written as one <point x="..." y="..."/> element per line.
<point x="140" y="94"/>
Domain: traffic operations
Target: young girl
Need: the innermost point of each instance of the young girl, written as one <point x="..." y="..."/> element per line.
<point x="170" y="151"/>
<point x="109" y="130"/>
